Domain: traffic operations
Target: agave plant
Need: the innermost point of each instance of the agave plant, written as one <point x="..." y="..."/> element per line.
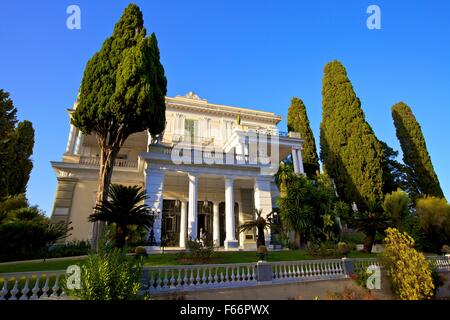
<point x="124" y="208"/>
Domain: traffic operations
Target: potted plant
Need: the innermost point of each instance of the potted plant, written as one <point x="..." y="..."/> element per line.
<point x="262" y="253"/>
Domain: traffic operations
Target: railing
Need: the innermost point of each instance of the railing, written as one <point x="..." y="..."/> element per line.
<point x="442" y="263"/>
<point x="94" y="161"/>
<point x="307" y="270"/>
<point x="363" y="263"/>
<point x="32" y="285"/>
<point x="198" y="277"/>
<point x="156" y="280"/>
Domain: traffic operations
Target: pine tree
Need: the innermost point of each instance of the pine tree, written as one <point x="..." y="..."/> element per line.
<point x="351" y="154"/>
<point x="122" y="92"/>
<point x="415" y="153"/>
<point x="8" y="120"/>
<point x="297" y="121"/>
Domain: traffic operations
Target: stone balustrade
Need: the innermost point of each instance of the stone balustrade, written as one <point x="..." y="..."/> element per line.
<point x="31" y="285"/>
<point x="159" y="280"/>
<point x="307" y="270"/>
<point x="198" y="277"/>
<point x="94" y="161"/>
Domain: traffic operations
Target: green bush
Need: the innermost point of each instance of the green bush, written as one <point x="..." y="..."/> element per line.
<point x="445" y="249"/>
<point x="140" y="251"/>
<point x="343" y="248"/>
<point x="200" y="250"/>
<point x="109" y="274"/>
<point x="28" y="239"/>
<point x="69" y="249"/>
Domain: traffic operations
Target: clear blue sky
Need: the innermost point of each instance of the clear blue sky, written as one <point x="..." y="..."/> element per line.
<point x="244" y="53"/>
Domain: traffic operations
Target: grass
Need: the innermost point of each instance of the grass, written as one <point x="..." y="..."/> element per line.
<point x="167" y="259"/>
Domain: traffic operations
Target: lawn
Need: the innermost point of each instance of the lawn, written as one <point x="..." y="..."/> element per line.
<point x="167" y="259"/>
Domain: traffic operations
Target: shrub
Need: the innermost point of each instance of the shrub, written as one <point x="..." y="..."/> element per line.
<point x="434" y="220"/>
<point x="262" y="252"/>
<point x="343" y="248"/>
<point x="29" y="239"/>
<point x="69" y="249"/>
<point x="109" y="275"/>
<point x="408" y="269"/>
<point x="140" y="251"/>
<point x="200" y="250"/>
<point x="445" y="249"/>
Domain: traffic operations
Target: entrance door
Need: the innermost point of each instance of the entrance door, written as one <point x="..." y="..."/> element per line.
<point x="170" y="224"/>
<point x="204" y="219"/>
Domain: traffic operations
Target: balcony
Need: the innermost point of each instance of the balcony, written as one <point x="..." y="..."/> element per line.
<point x="95" y="161"/>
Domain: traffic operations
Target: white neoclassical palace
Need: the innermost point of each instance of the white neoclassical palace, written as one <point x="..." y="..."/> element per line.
<point x="207" y="173"/>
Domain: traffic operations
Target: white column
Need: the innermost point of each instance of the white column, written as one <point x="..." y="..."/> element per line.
<point x="192" y="211"/>
<point x="80" y="140"/>
<point x="183" y="224"/>
<point x="300" y="161"/>
<point x="154" y="186"/>
<point x="71" y="140"/>
<point x="295" y="160"/>
<point x="263" y="200"/>
<point x="230" y="239"/>
<point x="216" y="224"/>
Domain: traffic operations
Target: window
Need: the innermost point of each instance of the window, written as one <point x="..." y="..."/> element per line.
<point x="191" y="129"/>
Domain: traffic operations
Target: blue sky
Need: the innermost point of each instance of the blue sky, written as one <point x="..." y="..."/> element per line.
<point x="244" y="53"/>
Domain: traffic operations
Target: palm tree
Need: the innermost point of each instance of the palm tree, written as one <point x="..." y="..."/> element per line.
<point x="370" y="222"/>
<point x="260" y="224"/>
<point x="124" y="208"/>
<point x="296" y="208"/>
<point x="284" y="177"/>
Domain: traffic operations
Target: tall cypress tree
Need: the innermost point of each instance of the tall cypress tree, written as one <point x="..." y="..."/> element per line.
<point x="22" y="165"/>
<point x="415" y="153"/>
<point x="16" y="147"/>
<point x="8" y="120"/>
<point x="122" y="92"/>
<point x="297" y="120"/>
<point x="350" y="152"/>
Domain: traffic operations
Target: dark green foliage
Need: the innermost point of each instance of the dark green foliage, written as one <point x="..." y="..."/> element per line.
<point x="109" y="274"/>
<point x="200" y="250"/>
<point x="26" y="233"/>
<point x="415" y="153"/>
<point x="351" y="154"/>
<point x="69" y="249"/>
<point x="124" y="208"/>
<point x="122" y="92"/>
<point x="395" y="174"/>
<point x="23" y="149"/>
<point x="297" y="121"/>
<point x="16" y="147"/>
<point x="307" y="208"/>
<point x="370" y="221"/>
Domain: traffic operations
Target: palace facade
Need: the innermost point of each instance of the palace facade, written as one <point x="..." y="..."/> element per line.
<point x="206" y="174"/>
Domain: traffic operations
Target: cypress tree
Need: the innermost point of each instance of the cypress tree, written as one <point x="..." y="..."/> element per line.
<point x="297" y="120"/>
<point x="8" y="120"/>
<point x="415" y="153"/>
<point x="122" y="92"/>
<point x="351" y="154"/>
<point x="22" y="164"/>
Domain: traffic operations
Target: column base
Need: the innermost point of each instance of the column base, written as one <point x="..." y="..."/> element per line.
<point x="231" y="245"/>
